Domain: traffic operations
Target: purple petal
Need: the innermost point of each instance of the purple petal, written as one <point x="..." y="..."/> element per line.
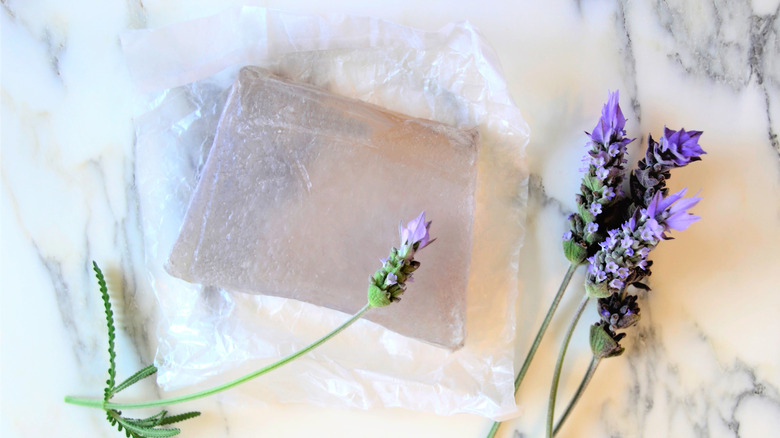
<point x="680" y="221"/>
<point x="598" y="132"/>
<point x="684" y="204"/>
<point x="658" y="204"/>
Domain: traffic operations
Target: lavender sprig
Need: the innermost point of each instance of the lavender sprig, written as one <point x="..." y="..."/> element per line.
<point x="601" y="185"/>
<point x="386" y="287"/>
<point x="621" y="261"/>
<point x="622" y="257"/>
<point x="597" y="203"/>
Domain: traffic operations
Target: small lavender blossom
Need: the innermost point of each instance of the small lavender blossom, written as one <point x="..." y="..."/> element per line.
<point x="674" y="149"/>
<point x="389" y="282"/>
<point x="600" y="189"/>
<point x="672" y="212"/>
<point x="641" y="233"/>
<point x="592" y="227"/>
<point x="414" y="236"/>
<point x="616" y="284"/>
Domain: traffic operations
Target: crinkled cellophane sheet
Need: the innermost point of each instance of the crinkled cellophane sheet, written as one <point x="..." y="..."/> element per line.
<point x="207" y="335"/>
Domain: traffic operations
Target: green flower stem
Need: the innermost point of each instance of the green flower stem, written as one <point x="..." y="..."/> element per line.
<point x="594" y="363"/>
<point x="539" y="335"/>
<point x="100" y="404"/>
<point x="559" y="365"/>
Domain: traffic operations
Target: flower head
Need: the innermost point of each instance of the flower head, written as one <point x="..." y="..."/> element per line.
<point x="622" y="257"/>
<point x="675" y="149"/>
<point x="600" y="188"/>
<point x="678" y="147"/>
<point x="389" y="282"/>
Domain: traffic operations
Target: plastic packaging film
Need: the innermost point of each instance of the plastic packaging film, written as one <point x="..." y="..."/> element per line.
<point x="207" y="334"/>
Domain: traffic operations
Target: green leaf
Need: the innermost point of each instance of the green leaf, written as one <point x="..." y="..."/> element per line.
<point x="140" y="375"/>
<point x="115" y="418"/>
<point x="594" y="184"/>
<point x="147" y="432"/>
<point x="108" y="392"/>
<point x="180" y="417"/>
<point x="152" y="421"/>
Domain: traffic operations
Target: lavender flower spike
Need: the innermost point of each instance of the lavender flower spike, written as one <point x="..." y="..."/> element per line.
<point x="389" y="282"/>
<point x="600" y="188"/>
<point x="622" y="259"/>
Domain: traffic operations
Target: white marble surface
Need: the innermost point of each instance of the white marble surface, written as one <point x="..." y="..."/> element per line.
<point x="705" y="358"/>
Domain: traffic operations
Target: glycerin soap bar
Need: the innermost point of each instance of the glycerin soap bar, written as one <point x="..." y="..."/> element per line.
<point x="302" y="193"/>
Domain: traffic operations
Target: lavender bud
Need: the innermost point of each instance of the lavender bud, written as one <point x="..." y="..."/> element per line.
<point x="575" y="252"/>
<point x="619" y="312"/>
<point x="604" y="342"/>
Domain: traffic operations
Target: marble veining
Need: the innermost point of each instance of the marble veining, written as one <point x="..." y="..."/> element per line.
<point x="703" y="361"/>
<point x="629" y="61"/>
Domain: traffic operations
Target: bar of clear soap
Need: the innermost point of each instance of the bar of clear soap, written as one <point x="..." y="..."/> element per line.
<point x="302" y="193"/>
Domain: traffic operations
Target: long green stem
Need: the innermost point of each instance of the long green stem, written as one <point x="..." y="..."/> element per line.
<point x="559" y="365"/>
<point x="538" y="339"/>
<point x="594" y="363"/>
<point x="173" y="400"/>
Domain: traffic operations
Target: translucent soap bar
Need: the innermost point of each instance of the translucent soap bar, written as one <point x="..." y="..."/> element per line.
<point x="302" y="193"/>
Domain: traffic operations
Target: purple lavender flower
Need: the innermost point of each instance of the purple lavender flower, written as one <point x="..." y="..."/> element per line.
<point x="641" y="233"/>
<point x="675" y="149"/>
<point x="389" y="282"/>
<point x="680" y="147"/>
<point x="600" y="189"/>
<point x="671" y="213"/>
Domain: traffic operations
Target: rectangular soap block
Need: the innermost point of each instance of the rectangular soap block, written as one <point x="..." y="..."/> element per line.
<point x="302" y="193"/>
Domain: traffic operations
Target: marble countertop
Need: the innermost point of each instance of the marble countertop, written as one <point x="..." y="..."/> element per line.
<point x="705" y="358"/>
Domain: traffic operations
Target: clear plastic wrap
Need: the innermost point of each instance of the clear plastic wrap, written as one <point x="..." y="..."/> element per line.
<point x="207" y="335"/>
